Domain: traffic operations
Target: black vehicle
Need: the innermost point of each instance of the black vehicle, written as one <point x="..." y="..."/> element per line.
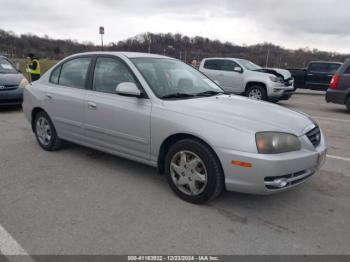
<point x="339" y="89"/>
<point x="316" y="76"/>
<point x="12" y="83"/>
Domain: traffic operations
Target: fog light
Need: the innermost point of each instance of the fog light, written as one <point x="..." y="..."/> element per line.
<point x="281" y="182"/>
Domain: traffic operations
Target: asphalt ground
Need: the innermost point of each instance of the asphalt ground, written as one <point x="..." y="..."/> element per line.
<point x="80" y="201"/>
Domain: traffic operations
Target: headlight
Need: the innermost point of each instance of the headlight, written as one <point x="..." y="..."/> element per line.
<point x="276" y="143"/>
<point x="23" y="83"/>
<point x="276" y="79"/>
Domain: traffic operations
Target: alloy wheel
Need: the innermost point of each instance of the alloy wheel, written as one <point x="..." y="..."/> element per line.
<point x="188" y="173"/>
<point x="43" y="131"/>
<point x="255" y="94"/>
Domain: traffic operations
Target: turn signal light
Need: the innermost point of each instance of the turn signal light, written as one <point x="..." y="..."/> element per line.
<point x="242" y="164"/>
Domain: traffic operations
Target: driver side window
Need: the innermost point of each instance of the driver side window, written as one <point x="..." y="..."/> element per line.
<point x="109" y="73"/>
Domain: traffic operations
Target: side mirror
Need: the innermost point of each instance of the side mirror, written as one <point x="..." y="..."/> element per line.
<point x="128" y="89"/>
<point x="238" y="69"/>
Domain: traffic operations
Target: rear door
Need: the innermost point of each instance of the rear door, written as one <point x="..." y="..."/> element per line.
<point x="115" y="122"/>
<point x="319" y="75"/>
<point x="64" y="98"/>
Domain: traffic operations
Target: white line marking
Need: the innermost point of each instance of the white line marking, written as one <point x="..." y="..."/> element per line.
<point x="331" y="119"/>
<point x="9" y="247"/>
<point x="339" y="158"/>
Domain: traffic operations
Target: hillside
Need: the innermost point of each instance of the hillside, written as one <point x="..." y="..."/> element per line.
<point x="175" y="45"/>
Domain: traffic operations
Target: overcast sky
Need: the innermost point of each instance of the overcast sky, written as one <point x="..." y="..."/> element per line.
<point x="322" y="24"/>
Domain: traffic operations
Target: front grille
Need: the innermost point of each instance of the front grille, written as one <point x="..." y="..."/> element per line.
<point x="289" y="81"/>
<point x="314" y="136"/>
<point x="291" y="179"/>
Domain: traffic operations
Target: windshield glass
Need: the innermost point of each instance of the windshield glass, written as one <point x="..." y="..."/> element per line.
<point x="248" y="65"/>
<point x="6" y="67"/>
<point x="168" y="77"/>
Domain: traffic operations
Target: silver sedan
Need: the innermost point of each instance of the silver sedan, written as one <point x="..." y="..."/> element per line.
<point x="159" y="111"/>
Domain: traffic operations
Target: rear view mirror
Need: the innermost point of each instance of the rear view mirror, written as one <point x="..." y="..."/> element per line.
<point x="128" y="89"/>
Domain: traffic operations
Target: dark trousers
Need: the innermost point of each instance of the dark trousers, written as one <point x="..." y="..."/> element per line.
<point x="35" y="77"/>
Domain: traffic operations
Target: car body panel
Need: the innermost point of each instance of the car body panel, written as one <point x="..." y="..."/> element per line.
<point x="136" y="128"/>
<point x="237" y="82"/>
<point x="341" y="94"/>
<point x="313" y="78"/>
<point x="10" y="92"/>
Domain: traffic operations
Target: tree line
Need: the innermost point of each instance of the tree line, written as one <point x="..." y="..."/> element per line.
<point x="175" y="45"/>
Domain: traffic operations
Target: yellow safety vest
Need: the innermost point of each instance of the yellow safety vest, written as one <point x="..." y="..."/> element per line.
<point x="36" y="71"/>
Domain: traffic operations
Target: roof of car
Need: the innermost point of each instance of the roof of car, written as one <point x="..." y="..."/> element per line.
<point x="127" y="54"/>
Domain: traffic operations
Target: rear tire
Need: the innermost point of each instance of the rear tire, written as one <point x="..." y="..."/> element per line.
<point x="45" y="132"/>
<point x="193" y="171"/>
<point x="256" y="92"/>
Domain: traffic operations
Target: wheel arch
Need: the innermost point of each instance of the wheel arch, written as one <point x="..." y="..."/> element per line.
<point x="255" y="83"/>
<point x="171" y="140"/>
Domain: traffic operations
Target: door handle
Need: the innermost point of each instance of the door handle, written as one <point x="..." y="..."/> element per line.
<point x="48" y="96"/>
<point x="310" y="74"/>
<point x="92" y="105"/>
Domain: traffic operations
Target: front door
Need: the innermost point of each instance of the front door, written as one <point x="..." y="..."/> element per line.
<point x="114" y="122"/>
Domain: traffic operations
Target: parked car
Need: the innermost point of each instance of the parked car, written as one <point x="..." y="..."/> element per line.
<point x="164" y="113"/>
<point x="316" y="76"/>
<point x="339" y="89"/>
<point x="12" y="83"/>
<point x="243" y="77"/>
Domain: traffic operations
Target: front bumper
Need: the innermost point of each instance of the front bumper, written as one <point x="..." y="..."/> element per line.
<point x="11" y="97"/>
<point x="278" y="92"/>
<point x="293" y="168"/>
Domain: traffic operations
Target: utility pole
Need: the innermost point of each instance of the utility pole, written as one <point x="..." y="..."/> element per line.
<point x="267" y="57"/>
<point x="149" y="40"/>
<point x="102" y="32"/>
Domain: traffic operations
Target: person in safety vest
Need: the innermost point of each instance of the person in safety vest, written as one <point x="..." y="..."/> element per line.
<point x="33" y="68"/>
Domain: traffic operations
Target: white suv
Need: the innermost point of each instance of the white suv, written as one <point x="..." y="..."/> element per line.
<point x="241" y="76"/>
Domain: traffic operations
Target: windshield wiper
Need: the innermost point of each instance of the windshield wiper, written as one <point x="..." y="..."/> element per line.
<point x="209" y="93"/>
<point x="177" y="95"/>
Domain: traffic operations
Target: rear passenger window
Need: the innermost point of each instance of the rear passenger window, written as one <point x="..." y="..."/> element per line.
<point x="73" y="73"/>
<point x="319" y="67"/>
<point x="223" y="65"/>
<point x="212" y="64"/>
<point x="55" y="75"/>
<point x="109" y="73"/>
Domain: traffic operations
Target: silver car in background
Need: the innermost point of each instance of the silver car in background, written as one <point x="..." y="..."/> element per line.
<point x="240" y="76"/>
<point x="161" y="112"/>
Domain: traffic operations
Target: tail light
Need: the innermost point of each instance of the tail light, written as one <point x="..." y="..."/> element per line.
<point x="335" y="82"/>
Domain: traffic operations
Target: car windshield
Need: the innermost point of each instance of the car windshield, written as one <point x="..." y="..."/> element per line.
<point x="248" y="65"/>
<point x="6" y="67"/>
<point x="170" y="78"/>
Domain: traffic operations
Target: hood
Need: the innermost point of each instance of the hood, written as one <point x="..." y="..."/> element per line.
<point x="285" y="74"/>
<point x="10" y="79"/>
<point x="243" y="114"/>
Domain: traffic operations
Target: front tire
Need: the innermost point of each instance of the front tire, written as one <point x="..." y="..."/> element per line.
<point x="45" y="132"/>
<point x="193" y="171"/>
<point x="257" y="92"/>
<point x="348" y="105"/>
